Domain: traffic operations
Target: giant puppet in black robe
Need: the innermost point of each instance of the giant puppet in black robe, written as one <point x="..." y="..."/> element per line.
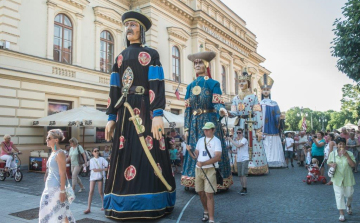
<point x="133" y="189"/>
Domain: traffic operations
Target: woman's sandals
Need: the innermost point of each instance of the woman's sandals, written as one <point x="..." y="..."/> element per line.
<point x="205" y="216"/>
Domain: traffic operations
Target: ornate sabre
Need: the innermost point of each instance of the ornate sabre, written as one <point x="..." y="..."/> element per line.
<point x="140" y="129"/>
<point x="250" y="134"/>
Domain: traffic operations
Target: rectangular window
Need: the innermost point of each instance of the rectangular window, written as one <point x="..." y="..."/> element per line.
<point x="175" y="111"/>
<point x="56" y="106"/>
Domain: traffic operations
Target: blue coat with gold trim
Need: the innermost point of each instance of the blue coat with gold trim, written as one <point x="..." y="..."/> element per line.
<point x="208" y="99"/>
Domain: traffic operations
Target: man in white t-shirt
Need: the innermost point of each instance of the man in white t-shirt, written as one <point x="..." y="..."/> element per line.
<point x="242" y="159"/>
<point x="289" y="149"/>
<point x="300" y="149"/>
<point x="207" y="187"/>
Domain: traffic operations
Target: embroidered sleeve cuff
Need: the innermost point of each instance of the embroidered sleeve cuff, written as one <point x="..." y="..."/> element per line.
<point x="114" y="79"/>
<point x="155" y="73"/>
<point x="112" y="117"/>
<point x="158" y="112"/>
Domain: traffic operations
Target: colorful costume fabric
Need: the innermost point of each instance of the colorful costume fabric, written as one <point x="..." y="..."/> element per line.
<point x="258" y="165"/>
<point x="208" y="99"/>
<point x="271" y="130"/>
<point x="132" y="188"/>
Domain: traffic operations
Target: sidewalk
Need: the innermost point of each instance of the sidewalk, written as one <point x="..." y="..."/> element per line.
<point x="30" y="202"/>
<point x="14" y="202"/>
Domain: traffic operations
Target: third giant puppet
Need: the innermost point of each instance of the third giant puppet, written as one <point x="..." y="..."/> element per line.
<point x="140" y="182"/>
<point x="246" y="107"/>
<point x="203" y="104"/>
<point x="271" y="128"/>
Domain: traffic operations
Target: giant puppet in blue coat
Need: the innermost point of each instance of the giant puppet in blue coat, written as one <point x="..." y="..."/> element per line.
<point x="272" y="124"/>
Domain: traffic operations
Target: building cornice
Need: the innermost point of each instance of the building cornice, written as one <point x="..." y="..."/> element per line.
<point x="108" y="14"/>
<point x="177" y="8"/>
<point x="81" y="4"/>
<point x="178" y="33"/>
<point x="263" y="70"/>
<point x="257" y="57"/>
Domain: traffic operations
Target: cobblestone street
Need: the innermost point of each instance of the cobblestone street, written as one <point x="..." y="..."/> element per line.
<point x="281" y="196"/>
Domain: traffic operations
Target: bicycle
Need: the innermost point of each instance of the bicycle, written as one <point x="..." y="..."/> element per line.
<point x="13" y="172"/>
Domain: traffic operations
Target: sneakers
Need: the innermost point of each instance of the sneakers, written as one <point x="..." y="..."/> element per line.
<point x="243" y="192"/>
<point x="81" y="190"/>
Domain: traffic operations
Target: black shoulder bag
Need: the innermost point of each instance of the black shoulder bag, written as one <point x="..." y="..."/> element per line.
<point x="80" y="157"/>
<point x="219" y="178"/>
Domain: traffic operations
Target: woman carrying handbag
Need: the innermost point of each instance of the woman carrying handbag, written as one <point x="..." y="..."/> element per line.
<point x="78" y="160"/>
<point x="53" y="204"/>
<point x="98" y="166"/>
<point x="342" y="162"/>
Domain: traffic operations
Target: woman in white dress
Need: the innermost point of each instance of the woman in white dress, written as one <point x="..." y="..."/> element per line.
<point x="53" y="204"/>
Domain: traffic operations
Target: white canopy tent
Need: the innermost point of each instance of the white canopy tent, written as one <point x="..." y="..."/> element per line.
<point x="348" y="126"/>
<point x="178" y="120"/>
<point x="91" y="117"/>
<point x="82" y="116"/>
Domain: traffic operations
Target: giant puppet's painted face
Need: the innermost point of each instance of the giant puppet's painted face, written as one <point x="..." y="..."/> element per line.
<point x="266" y="92"/>
<point x="243" y="84"/>
<point x="132" y="30"/>
<point x="199" y="67"/>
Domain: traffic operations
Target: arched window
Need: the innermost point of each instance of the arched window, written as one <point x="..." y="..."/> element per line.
<point x="106" y="51"/>
<point x="223" y="74"/>
<point x="236" y="83"/>
<point x="63" y="30"/>
<point x="176" y="64"/>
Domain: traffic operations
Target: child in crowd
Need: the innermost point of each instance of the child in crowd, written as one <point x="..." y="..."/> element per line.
<point x="173" y="157"/>
<point x="307" y="151"/>
<point x="314" y="168"/>
<point x="178" y="157"/>
<point x="98" y="166"/>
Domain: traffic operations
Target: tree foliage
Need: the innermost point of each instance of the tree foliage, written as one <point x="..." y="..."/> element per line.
<point x="350" y="100"/>
<point x="346" y="44"/>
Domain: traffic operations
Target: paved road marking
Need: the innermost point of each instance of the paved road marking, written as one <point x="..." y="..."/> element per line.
<point x="182" y="211"/>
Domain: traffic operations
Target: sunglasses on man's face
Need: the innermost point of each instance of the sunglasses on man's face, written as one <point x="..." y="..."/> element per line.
<point x="239" y="132"/>
<point x="96" y="151"/>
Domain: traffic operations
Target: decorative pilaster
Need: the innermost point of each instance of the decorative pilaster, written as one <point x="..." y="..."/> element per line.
<point x="231" y="74"/>
<point x="120" y="43"/>
<point x="97" y="44"/>
<point x="78" y="42"/>
<point x="50" y="30"/>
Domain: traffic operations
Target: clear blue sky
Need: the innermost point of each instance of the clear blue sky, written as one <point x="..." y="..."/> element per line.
<point x="294" y="36"/>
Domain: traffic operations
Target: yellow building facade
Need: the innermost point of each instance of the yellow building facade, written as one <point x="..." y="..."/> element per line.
<point x="56" y="55"/>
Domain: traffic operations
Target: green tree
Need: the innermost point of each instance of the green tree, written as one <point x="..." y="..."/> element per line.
<point x="350" y="100"/>
<point x="346" y="43"/>
<point x="291" y="118"/>
<point x="339" y="119"/>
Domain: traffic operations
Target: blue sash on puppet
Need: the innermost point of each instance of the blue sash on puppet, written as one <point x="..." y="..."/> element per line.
<point x="139" y="202"/>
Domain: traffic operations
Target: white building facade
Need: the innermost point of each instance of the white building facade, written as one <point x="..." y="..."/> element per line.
<point x="57" y="54"/>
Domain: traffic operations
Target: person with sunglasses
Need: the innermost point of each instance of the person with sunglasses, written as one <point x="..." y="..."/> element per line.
<point x="98" y="166"/>
<point x="242" y="159"/>
<point x="54" y="206"/>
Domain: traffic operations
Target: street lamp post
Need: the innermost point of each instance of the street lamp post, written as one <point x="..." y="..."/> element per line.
<point x="322" y="120"/>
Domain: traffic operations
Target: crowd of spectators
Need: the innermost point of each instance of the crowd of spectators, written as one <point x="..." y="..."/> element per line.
<point x="323" y="150"/>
